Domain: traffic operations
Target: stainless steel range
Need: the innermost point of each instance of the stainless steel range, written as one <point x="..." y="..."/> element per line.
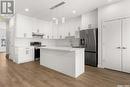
<point x="36" y="50"/>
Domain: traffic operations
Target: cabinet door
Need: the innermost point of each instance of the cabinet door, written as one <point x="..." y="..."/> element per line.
<point x="23" y="27"/>
<point x="126" y="45"/>
<point x="63" y="30"/>
<point x="41" y="26"/>
<point x="35" y="23"/>
<point x="28" y="28"/>
<point x="28" y="52"/>
<point x="20" y="24"/>
<point x="111" y="41"/>
<point x="38" y="26"/>
<point x="55" y="31"/>
<point x="47" y="30"/>
<point x="61" y="33"/>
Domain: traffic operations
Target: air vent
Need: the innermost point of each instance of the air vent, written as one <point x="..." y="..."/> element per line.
<point x="58" y="5"/>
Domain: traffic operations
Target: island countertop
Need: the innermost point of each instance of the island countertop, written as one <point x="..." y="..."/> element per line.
<point x="62" y="48"/>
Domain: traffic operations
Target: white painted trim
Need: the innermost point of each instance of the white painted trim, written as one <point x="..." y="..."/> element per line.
<point x="112" y="19"/>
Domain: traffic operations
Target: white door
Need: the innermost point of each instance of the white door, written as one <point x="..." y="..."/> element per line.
<point x="111" y="41"/>
<point x="2" y="40"/>
<point x="126" y="46"/>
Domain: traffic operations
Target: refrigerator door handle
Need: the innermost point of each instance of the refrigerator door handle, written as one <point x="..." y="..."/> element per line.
<point x="80" y="41"/>
<point x="83" y="42"/>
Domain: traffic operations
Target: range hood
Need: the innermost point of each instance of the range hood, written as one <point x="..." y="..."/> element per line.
<point x="37" y="34"/>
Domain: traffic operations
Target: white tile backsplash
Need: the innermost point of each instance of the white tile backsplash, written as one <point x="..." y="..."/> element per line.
<point x="58" y="43"/>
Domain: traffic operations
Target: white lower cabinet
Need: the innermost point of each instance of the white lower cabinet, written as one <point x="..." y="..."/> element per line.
<point x="116" y="45"/>
<point x="24" y="54"/>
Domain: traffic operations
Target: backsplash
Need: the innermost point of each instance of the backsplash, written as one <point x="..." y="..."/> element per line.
<point x="58" y="43"/>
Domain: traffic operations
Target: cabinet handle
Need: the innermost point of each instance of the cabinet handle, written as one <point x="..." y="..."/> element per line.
<point x="27" y="51"/>
<point x="25" y="35"/>
<point x="124" y="48"/>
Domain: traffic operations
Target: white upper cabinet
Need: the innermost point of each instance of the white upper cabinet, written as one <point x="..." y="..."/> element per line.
<point x="39" y="25"/>
<point x="47" y="30"/>
<point x="70" y="28"/>
<point x="55" y="30"/>
<point x="63" y="31"/>
<point x="24" y="26"/>
<point x="89" y="20"/>
<point x="35" y="25"/>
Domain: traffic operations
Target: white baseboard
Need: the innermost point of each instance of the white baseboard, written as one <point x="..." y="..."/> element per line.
<point x="100" y="66"/>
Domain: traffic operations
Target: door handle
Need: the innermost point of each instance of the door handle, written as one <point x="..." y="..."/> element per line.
<point x="124" y="48"/>
<point x="118" y="47"/>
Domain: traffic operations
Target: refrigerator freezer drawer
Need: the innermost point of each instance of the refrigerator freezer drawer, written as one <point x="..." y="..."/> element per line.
<point x="91" y="59"/>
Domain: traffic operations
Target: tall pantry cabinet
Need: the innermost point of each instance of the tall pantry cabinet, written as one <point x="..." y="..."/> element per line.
<point x="116" y="44"/>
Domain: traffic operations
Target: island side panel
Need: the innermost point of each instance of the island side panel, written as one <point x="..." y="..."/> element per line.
<point x="59" y="60"/>
<point x="80" y="62"/>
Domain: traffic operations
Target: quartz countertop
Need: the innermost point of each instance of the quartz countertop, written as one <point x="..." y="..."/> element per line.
<point x="62" y="48"/>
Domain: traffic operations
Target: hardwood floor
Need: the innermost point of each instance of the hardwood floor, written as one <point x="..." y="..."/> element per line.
<point x="33" y="75"/>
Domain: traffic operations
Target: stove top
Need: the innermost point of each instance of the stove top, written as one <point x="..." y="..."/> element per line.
<point x="35" y="44"/>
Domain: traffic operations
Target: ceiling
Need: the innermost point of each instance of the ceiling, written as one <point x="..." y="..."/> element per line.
<point x="40" y="8"/>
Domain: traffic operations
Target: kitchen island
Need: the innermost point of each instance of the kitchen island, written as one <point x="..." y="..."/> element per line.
<point x="66" y="60"/>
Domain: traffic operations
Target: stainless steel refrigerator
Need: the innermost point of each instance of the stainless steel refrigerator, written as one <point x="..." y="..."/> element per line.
<point x="89" y="41"/>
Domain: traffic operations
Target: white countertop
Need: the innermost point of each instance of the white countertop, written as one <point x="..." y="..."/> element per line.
<point x="62" y="48"/>
<point x="24" y="46"/>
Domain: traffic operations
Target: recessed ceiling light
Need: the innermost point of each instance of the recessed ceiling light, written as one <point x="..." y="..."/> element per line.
<point x="53" y="18"/>
<point x="109" y="0"/>
<point x="26" y="9"/>
<point x="74" y="12"/>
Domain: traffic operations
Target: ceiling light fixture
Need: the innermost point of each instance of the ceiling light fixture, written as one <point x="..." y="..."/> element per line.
<point x="109" y="0"/>
<point x="53" y="18"/>
<point x="57" y="5"/>
<point x="74" y="12"/>
<point x="26" y="9"/>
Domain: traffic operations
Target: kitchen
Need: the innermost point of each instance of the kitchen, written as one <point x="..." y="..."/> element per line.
<point x="73" y="44"/>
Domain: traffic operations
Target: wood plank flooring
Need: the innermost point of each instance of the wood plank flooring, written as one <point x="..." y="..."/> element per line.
<point x="33" y="75"/>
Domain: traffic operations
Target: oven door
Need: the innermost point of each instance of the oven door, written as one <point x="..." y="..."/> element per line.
<point x="37" y="54"/>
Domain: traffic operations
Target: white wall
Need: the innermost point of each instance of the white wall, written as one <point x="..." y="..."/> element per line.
<point x="90" y="18"/>
<point x="112" y="11"/>
<point x="3" y="25"/>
